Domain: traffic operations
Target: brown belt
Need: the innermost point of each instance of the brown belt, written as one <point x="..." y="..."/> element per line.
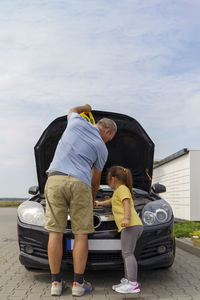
<point x="52" y="173"/>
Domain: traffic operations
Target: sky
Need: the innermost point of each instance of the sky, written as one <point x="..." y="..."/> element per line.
<point x="136" y="57"/>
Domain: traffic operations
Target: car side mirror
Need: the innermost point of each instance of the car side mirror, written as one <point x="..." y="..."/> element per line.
<point x="158" y="188"/>
<point x="33" y="190"/>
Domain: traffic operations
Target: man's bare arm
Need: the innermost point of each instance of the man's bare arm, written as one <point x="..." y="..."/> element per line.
<point x="80" y="109"/>
<point x="96" y="179"/>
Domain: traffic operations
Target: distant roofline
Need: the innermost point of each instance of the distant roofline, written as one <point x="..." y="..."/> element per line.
<point x="171" y="157"/>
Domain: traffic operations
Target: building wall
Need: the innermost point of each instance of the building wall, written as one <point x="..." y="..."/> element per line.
<point x="195" y="184"/>
<point x="175" y="175"/>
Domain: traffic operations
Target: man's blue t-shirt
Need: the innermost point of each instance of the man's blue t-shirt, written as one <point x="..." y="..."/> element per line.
<point x="79" y="149"/>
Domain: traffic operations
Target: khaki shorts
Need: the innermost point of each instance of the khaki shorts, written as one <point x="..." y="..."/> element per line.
<point x="65" y="193"/>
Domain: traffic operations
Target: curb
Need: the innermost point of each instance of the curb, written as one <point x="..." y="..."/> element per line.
<point x="187" y="246"/>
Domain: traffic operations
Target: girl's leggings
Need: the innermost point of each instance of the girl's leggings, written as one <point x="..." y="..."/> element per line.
<point x="129" y="236"/>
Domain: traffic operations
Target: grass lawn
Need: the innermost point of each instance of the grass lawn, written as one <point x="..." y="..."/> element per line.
<point x="183" y="229"/>
<point x="10" y="203"/>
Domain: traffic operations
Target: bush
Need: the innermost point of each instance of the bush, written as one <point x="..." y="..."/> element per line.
<point x="195" y="233"/>
<point x="183" y="229"/>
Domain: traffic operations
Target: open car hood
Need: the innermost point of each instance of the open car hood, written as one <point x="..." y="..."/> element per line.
<point x="131" y="148"/>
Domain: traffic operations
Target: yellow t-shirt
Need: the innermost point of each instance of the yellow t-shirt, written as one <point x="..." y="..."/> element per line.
<point x="121" y="193"/>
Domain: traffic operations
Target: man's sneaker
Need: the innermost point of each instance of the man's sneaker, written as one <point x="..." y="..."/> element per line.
<point x="57" y="288"/>
<point x="122" y="282"/>
<point x="79" y="289"/>
<point x="128" y="288"/>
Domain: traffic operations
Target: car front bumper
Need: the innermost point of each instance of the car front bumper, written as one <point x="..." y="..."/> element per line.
<point x="155" y="248"/>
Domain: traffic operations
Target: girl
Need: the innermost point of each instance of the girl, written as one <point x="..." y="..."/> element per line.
<point x="128" y="223"/>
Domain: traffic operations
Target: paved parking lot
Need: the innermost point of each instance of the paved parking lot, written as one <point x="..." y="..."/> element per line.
<point x="181" y="281"/>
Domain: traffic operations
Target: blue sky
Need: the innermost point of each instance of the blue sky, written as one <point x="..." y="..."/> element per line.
<point x="137" y="57"/>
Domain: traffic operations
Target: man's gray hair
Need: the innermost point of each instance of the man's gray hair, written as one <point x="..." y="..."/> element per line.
<point x="108" y="123"/>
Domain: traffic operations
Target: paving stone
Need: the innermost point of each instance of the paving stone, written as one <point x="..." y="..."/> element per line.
<point x="195" y="282"/>
<point x="162" y="294"/>
<point x="23" y="286"/>
<point x="7" y="290"/>
<point x="146" y="289"/>
<point x="12" y="283"/>
<point x="185" y="298"/>
<point x="144" y="297"/>
<point x="99" y="292"/>
<point x="178" y="292"/>
<point x="192" y="292"/>
<point x="18" y="293"/>
<point x="197" y="288"/>
<point x="132" y="296"/>
<point x="166" y="298"/>
<point x="16" y="298"/>
<point x="100" y="297"/>
<point x="181" y="281"/>
<point x="69" y="297"/>
<point x="32" y="297"/>
<point x="118" y="297"/>
<point x="4" y="296"/>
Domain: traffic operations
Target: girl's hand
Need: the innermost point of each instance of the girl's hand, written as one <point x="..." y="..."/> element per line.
<point x="125" y="222"/>
<point x="97" y="203"/>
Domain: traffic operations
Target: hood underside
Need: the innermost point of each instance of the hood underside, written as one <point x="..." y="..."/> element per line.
<point x="131" y="148"/>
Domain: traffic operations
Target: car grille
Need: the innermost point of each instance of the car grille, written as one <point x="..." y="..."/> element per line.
<point x="98" y="257"/>
<point x="109" y="225"/>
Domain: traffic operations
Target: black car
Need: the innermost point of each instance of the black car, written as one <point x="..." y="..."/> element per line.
<point x="132" y="148"/>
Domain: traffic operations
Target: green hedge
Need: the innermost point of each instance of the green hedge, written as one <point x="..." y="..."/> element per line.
<point x="183" y="229"/>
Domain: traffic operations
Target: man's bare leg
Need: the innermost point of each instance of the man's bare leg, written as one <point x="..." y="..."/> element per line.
<point x="55" y="251"/>
<point x="80" y="253"/>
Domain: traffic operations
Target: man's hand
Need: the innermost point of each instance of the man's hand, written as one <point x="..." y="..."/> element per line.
<point x="88" y="108"/>
<point x="125" y="222"/>
<point x="79" y="109"/>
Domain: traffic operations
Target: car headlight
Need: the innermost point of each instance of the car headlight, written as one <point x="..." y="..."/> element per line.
<point x="31" y="212"/>
<point x="156" y="212"/>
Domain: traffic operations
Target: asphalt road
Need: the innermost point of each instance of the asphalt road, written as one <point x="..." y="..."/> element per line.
<point x="181" y="281"/>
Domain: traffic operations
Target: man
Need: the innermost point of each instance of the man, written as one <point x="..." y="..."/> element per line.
<point x="73" y="179"/>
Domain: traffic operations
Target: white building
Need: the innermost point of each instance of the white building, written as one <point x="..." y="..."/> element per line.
<point x="180" y="173"/>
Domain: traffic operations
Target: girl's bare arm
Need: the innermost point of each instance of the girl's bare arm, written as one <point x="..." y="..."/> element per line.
<point x="103" y="203"/>
<point x="127" y="212"/>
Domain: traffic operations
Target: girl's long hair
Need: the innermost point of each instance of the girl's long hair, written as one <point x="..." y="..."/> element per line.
<point x="123" y="175"/>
